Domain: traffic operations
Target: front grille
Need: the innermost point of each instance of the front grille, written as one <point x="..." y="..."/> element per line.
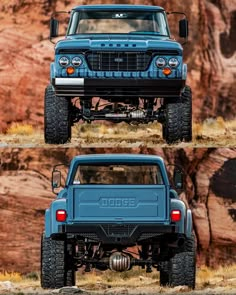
<point x="118" y="61"/>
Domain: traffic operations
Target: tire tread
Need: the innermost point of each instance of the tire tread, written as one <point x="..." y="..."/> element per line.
<point x="190" y="259"/>
<point x="186" y="111"/>
<point x="57" y="125"/>
<point x="171" y="127"/>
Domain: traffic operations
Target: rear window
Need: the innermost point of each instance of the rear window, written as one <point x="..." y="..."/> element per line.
<point x="118" y="174"/>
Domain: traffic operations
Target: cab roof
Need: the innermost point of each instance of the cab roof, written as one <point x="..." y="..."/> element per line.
<point x="119" y="7"/>
<point x="117" y="158"/>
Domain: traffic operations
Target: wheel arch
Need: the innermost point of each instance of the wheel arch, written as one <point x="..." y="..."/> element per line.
<point x="52" y="72"/>
<point x="47" y="223"/>
<point x="189" y="224"/>
<point x="51" y="224"/>
<point x="176" y="204"/>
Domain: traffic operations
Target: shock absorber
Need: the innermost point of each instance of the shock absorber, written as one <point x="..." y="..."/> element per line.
<point x="86" y="107"/>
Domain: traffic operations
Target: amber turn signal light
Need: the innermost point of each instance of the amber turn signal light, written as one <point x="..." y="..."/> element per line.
<point x="166" y="71"/>
<point x="70" y="70"/>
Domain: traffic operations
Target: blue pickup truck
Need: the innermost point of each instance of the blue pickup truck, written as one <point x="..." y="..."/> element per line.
<point x="118" y="63"/>
<point x="108" y="204"/>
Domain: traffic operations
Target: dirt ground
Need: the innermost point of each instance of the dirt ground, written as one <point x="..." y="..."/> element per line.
<point x="212" y="133"/>
<point x="103" y="289"/>
<point x="135" y="282"/>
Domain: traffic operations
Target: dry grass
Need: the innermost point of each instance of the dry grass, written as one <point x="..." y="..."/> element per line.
<point x="14" y="277"/>
<point x="135" y="277"/>
<point x="222" y="276"/>
<point x="206" y="277"/>
<point x="220" y="281"/>
<point x="210" y="133"/>
<point x="20" y="129"/>
<point x="209" y="127"/>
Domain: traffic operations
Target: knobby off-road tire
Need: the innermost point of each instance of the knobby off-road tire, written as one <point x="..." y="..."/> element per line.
<point x="57" y="122"/>
<point x="176" y="270"/>
<point x="164" y="273"/>
<point x="171" y="128"/>
<point x="70" y="269"/>
<point x="181" y="268"/>
<point x="172" y="271"/>
<point x="186" y="113"/>
<point x="63" y="272"/>
<point x="190" y="262"/>
<point x="45" y="262"/>
<point x="57" y="265"/>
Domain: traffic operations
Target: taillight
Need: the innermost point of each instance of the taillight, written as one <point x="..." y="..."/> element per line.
<point x="175" y="215"/>
<point x="61" y="215"/>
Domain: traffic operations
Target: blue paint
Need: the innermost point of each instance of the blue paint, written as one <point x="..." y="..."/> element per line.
<point x="94" y="203"/>
<point x="80" y="44"/>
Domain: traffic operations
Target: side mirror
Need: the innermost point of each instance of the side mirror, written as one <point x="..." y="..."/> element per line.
<point x="183" y="28"/>
<point x="56" y="179"/>
<point x="54" y="24"/>
<point x="178" y="179"/>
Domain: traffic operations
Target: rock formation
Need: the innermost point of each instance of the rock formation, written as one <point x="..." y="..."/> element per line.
<point x="25" y="193"/>
<point x="26" y="54"/>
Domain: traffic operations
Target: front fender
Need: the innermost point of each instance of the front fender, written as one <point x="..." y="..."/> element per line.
<point x="184" y="71"/>
<point x="47" y="223"/>
<point x="52" y="72"/>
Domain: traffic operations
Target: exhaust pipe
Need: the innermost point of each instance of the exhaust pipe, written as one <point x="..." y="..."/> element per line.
<point x="176" y="244"/>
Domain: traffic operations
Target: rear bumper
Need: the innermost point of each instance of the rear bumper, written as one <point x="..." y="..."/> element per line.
<point x="118" y="233"/>
<point x="117" y="87"/>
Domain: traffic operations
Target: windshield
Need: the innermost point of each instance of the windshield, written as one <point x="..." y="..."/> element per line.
<point x="118" y="22"/>
<point x="118" y="174"/>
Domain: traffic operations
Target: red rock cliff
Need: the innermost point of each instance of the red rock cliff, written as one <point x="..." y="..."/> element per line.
<point x="25" y="193"/>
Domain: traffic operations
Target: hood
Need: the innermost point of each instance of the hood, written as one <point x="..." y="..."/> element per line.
<point x="117" y="42"/>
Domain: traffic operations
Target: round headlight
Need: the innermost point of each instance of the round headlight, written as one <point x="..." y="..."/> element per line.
<point x="76" y="61"/>
<point x="173" y="62"/>
<point x="64" y="61"/>
<point x="160" y="62"/>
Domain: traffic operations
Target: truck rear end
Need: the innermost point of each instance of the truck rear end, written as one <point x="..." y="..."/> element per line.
<point x="112" y="203"/>
<point x="117" y="213"/>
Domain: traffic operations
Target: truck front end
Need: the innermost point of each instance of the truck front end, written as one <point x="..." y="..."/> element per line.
<point x="122" y="54"/>
<point x="114" y="51"/>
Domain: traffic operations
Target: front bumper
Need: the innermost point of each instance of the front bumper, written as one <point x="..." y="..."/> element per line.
<point x="118" y="233"/>
<point x="109" y="87"/>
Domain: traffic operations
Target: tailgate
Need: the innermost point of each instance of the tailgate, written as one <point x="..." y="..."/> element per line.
<point x="105" y="203"/>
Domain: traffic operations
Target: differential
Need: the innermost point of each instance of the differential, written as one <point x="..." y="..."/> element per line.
<point x="119" y="262"/>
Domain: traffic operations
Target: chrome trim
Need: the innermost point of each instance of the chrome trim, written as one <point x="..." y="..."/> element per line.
<point x="69" y="81"/>
<point x="184" y="71"/>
